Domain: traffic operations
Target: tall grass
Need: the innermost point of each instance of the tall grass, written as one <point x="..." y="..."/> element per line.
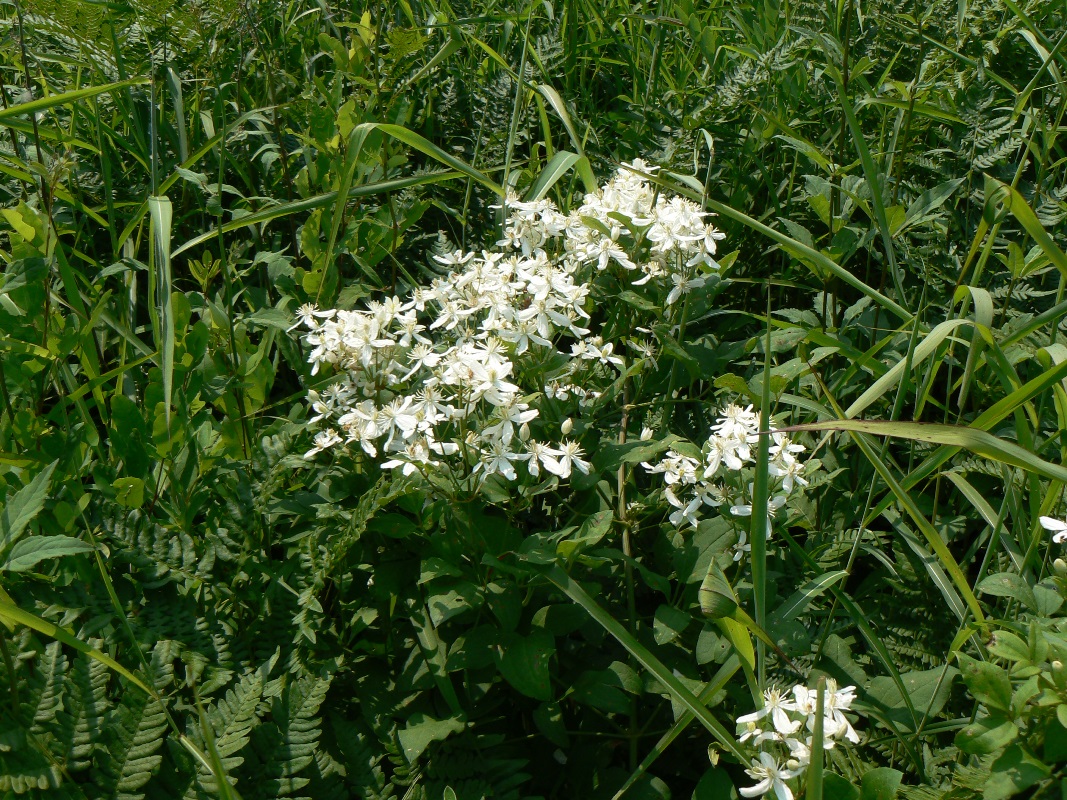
<point x="178" y="178"/>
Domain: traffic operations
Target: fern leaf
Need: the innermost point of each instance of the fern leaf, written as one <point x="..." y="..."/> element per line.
<point x="232" y="719"/>
<point x="134" y="735"/>
<point x="131" y="734"/>
<point x="87" y="709"/>
<point x="286" y="746"/>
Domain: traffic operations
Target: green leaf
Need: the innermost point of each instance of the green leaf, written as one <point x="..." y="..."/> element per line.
<point x="1009" y="646"/>
<point x="422" y="729"/>
<point x="548" y="717"/>
<point x="986" y="735"/>
<point x="24" y="506"/>
<point x="673" y="348"/>
<point x="928" y="690"/>
<point x="1055" y="740"/>
<point x="611" y="454"/>
<point x="1014" y="772"/>
<point x="593" y="529"/>
<point x="881" y="784"/>
<point x="929" y="201"/>
<point x="1008" y="584"/>
<point x="715" y="785"/>
<point x="30" y="551"/>
<point x="524" y="663"/>
<point x="801" y="599"/>
<point x="988" y="683"/>
<point x="669" y="623"/>
<point x="997" y="192"/>
<point x="129" y="492"/>
<point x="834" y="787"/>
<point x="555" y="169"/>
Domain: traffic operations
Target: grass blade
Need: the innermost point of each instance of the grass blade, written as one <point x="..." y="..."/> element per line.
<point x="63" y="98"/>
<point x="162" y="216"/>
<point x="1002" y="193"/>
<point x="426" y="147"/>
<point x="570" y="587"/>
<point x="977" y="441"/>
<point x="815" y="769"/>
<point x="874" y="183"/>
<point x="14" y="614"/>
<point x="789" y="243"/>
<point x="555" y="169"/>
<point x="759" y="529"/>
<point x="722" y="677"/>
<point x="319" y="201"/>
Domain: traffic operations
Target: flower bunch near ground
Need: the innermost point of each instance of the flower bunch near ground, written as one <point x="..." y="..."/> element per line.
<point x="474" y="375"/>
<point x="721" y="476"/>
<point x="784" y="729"/>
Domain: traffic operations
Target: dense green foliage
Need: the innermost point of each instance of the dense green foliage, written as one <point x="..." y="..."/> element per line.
<point x="189" y="607"/>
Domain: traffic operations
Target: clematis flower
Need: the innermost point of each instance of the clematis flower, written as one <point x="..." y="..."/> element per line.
<point x="569" y="457"/>
<point x="772" y="777"/>
<point x="1060" y="528"/>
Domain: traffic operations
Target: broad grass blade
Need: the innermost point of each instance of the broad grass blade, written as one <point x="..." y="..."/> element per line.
<point x="570" y="587"/>
<point x="162" y="216"/>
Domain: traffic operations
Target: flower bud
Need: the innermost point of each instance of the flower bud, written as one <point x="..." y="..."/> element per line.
<point x="524" y="432"/>
<point x="646" y="433"/>
<point x="792" y="764"/>
<point x="1057" y="665"/>
<point x="713" y="755"/>
<point x="567" y="426"/>
<point x="1060" y="566"/>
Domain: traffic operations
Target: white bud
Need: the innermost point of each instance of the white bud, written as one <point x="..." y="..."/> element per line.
<point x="646" y="433"/>
<point x="1060" y="566"/>
<point x="524" y="432"/>
<point x="567" y="426"/>
<point x="792" y="764"/>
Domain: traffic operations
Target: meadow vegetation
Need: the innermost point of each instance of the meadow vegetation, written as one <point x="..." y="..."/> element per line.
<point x="579" y="399"/>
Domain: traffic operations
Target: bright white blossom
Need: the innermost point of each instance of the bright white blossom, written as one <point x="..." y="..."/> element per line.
<point x="771" y="777"/>
<point x="1060" y="528"/>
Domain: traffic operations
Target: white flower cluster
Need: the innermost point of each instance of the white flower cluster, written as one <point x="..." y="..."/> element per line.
<point x="718" y="478"/>
<point x="458" y="372"/>
<point x="785" y="727"/>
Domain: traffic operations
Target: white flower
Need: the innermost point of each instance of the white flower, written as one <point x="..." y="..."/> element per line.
<point x="497" y="459"/>
<point x="737" y="423"/>
<point x="306" y="314"/>
<point x="771" y="775"/>
<point x="776" y="704"/>
<point x="683" y="284"/>
<point x="745" y="510"/>
<point x="569" y="455"/>
<point x="1050" y="524"/>
<point x="686" y="511"/>
<point x="323" y="440"/>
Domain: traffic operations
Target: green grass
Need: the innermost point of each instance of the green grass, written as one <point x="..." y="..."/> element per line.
<point x="176" y="179"/>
